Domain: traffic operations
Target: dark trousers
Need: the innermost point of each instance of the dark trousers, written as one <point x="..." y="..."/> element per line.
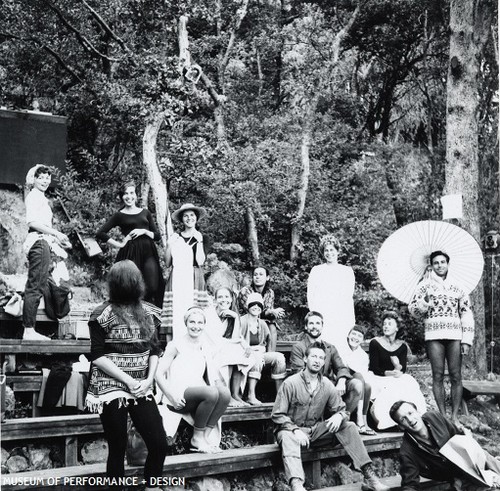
<point x="147" y="420"/>
<point x="39" y="264"/>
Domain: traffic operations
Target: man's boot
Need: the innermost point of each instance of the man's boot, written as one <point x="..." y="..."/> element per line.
<point x="370" y="480"/>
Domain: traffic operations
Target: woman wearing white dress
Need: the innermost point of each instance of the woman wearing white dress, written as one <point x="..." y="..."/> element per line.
<point x="186" y="285"/>
<point x="330" y="289"/>
<point x="190" y="379"/>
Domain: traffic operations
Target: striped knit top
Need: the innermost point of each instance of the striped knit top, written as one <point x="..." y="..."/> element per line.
<point x="122" y="344"/>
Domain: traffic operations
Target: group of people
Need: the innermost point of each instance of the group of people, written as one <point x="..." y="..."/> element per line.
<point x="220" y="347"/>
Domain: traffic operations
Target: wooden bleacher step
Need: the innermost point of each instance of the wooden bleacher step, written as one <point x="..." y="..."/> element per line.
<point x="198" y="465"/>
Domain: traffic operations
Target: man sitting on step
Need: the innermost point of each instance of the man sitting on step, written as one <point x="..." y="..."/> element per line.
<point x="303" y="402"/>
<point x="350" y="388"/>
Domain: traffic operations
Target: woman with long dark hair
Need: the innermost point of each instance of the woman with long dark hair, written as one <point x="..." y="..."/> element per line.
<point x="124" y="354"/>
<point x="138" y="244"/>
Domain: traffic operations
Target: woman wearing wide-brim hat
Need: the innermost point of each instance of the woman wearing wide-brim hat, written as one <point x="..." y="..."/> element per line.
<point x="186" y="285"/>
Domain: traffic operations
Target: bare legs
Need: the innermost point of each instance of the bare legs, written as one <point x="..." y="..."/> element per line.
<point x="207" y="404"/>
<point x="450" y="350"/>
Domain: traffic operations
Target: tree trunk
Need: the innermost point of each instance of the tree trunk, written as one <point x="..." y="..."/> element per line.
<point x="302" y="192"/>
<point x="469" y="28"/>
<point x="252" y="237"/>
<point x="158" y="184"/>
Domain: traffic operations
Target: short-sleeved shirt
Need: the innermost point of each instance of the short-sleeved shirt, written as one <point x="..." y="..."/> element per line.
<point x="38" y="208"/>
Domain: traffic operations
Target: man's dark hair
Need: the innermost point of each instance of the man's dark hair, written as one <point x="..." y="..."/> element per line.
<point x="312" y="313"/>
<point x="395" y="408"/>
<point x="438" y="253"/>
<point x="316" y="345"/>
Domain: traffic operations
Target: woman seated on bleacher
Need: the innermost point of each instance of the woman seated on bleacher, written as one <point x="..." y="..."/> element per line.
<point x="388" y="358"/>
<point x="233" y="355"/>
<point x="181" y="377"/>
<point x="257" y="337"/>
<point x="356" y="359"/>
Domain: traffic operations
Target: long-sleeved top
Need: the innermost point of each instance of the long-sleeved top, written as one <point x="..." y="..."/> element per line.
<point x="261" y="338"/>
<point x="447" y="314"/>
<point x="420" y="460"/>
<point x="295" y="407"/>
<point x="334" y="367"/>
<point x="380" y="358"/>
<point x="127" y="223"/>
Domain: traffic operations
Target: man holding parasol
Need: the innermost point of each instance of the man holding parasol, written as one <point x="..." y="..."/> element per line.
<point x="449" y="328"/>
<point x="414" y="265"/>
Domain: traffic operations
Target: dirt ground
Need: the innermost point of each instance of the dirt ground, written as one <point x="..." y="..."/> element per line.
<point x="484" y="411"/>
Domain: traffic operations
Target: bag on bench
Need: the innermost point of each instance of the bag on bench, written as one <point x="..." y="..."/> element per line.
<point x="56" y="300"/>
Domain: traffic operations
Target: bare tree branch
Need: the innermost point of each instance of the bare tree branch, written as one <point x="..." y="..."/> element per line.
<point x="106" y="27"/>
<point x="240" y="14"/>
<point x="49" y="50"/>
<point x="86" y="44"/>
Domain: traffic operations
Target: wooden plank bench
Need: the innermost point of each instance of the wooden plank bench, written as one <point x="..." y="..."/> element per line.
<point x="75" y="346"/>
<point x="72" y="427"/>
<point x="473" y="388"/>
<point x="394" y="482"/>
<point x="198" y="465"/>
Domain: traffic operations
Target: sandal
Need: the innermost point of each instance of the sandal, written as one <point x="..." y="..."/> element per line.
<point x="366" y="430"/>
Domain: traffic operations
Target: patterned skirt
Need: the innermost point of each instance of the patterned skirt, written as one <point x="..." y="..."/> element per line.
<point x="175" y="304"/>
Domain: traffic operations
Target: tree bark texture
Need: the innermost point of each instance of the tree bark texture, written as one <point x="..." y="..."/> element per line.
<point x="470" y="22"/>
<point x="252" y="238"/>
<point x="155" y="179"/>
<point x="302" y="192"/>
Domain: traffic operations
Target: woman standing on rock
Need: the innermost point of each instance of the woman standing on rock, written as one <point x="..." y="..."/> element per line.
<point x="43" y="244"/>
<point x="186" y="285"/>
<point x="124" y="351"/>
<point x="140" y="234"/>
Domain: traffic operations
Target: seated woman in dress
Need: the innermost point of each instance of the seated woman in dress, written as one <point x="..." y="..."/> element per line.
<point x="270" y="313"/>
<point x="124" y="351"/>
<point x="356" y="359"/>
<point x="138" y="244"/>
<point x="257" y="336"/>
<point x="233" y="351"/>
<point x="186" y="284"/>
<point x="390" y="383"/>
<point x="181" y="377"/>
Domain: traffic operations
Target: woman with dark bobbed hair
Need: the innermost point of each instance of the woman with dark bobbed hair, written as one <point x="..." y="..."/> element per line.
<point x="388" y="357"/>
<point x="124" y="354"/>
<point x="138" y="244"/>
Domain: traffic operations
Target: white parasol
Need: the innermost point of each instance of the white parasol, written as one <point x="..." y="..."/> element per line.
<point x="404" y="257"/>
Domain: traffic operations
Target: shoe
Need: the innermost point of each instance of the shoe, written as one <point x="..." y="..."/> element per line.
<point x="297" y="485"/>
<point x="370" y="481"/>
<point x="366" y="430"/>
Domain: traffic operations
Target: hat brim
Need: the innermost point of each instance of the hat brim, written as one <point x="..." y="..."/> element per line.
<point x="200" y="212"/>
